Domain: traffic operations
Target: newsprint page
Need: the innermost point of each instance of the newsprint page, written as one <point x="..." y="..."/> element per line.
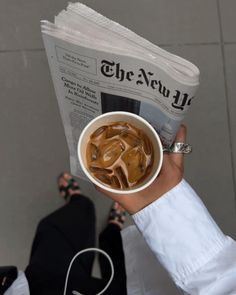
<point x="91" y="82"/>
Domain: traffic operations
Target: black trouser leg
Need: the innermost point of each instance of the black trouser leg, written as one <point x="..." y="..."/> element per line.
<point x="58" y="238"/>
<point x="110" y="241"/>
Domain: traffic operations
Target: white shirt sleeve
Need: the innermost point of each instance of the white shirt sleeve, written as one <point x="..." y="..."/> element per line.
<point x="188" y="243"/>
<point x="19" y="287"/>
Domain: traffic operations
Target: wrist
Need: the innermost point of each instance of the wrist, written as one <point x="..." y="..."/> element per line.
<point x="134" y="204"/>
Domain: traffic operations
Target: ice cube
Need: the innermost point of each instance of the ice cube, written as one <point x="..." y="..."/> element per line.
<point x="135" y="161"/>
<point x="110" y="151"/>
<point x="116" y="129"/>
<point x="100" y="170"/>
<point x="93" y="152"/>
<point x="147" y="172"/>
<point x="115" y="182"/>
<point x="103" y="178"/>
<point x="147" y="146"/>
<point x="98" y="132"/>
<point x="122" y="177"/>
<point x="131" y="138"/>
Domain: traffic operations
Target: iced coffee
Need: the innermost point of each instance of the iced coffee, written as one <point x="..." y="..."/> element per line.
<point x="119" y="155"/>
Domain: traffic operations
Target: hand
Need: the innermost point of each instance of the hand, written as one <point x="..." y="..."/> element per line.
<point x="171" y="174"/>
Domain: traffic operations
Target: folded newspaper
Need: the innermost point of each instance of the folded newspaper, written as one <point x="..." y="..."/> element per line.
<point x="99" y="66"/>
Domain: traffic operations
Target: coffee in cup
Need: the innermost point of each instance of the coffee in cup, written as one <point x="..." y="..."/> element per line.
<point x="117" y="127"/>
<point x="119" y="155"/>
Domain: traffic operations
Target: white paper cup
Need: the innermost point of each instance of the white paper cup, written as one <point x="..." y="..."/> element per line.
<point x="138" y="122"/>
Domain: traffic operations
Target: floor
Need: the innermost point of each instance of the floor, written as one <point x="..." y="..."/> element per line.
<point x="33" y="149"/>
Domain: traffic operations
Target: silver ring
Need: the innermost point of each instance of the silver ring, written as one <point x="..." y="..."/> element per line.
<point x="179" y="148"/>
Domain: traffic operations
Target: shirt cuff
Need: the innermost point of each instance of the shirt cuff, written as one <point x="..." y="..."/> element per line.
<point x="180" y="231"/>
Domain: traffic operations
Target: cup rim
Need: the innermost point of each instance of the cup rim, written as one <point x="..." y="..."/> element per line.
<point x="99" y="184"/>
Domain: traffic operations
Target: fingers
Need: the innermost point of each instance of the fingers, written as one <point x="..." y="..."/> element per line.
<point x="99" y="189"/>
<point x="105" y="192"/>
<point x="180" y="137"/>
<point x="181" y="134"/>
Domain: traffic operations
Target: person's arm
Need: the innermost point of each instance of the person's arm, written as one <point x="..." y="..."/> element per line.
<point x="188" y="243"/>
<point x="181" y="233"/>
